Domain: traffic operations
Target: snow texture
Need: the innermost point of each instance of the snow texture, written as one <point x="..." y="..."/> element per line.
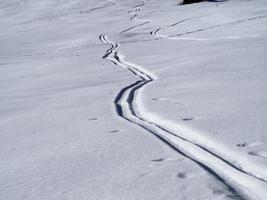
<point x="133" y="99"/>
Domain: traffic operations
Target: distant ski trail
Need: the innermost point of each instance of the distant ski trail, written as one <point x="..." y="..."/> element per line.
<point x="127" y="107"/>
<point x="156" y="32"/>
<point x="106" y="5"/>
<point x="136" y="13"/>
<point x="177" y="36"/>
<point x="216" y="26"/>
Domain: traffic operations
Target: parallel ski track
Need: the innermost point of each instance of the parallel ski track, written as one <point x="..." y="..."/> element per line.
<point x="239" y="180"/>
<point x="239" y="165"/>
<point x="247" y="185"/>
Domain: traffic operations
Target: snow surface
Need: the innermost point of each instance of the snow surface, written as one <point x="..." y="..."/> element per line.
<point x="132" y="99"/>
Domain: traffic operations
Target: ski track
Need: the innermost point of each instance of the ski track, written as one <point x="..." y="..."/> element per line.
<point x="127" y="107"/>
<point x="178" y="36"/>
<point x="68" y="49"/>
<point x="137" y="9"/>
<point x="138" y="25"/>
<point x="237" y="175"/>
<point x="240" y="164"/>
<point x="106" y="5"/>
<point x="214" y="27"/>
<point x="156" y="32"/>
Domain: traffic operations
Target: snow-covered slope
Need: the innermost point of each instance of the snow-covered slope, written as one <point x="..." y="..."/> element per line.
<point x="133" y="100"/>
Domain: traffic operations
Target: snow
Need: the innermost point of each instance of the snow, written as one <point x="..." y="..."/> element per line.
<point x="133" y="100"/>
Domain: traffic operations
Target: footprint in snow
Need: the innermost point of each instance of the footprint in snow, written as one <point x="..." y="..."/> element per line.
<point x="247" y="144"/>
<point x="142" y="175"/>
<point x="242" y="144"/>
<point x="92" y="119"/>
<point x="167" y="159"/>
<point x="181" y="175"/>
<point x="114" y="131"/>
<point x="188" y="118"/>
<point x="158" y="160"/>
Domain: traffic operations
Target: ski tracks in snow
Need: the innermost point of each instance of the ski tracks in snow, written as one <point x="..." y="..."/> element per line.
<point x="250" y="184"/>
<point x="240" y="174"/>
<point x="179" y="36"/>
<point x="135" y="13"/>
<point x="106" y="5"/>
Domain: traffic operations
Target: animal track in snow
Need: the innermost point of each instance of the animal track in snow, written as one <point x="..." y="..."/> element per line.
<point x="242" y="144"/>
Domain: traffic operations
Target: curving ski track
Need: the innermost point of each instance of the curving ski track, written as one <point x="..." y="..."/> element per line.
<point x="127" y="107"/>
<point x="156" y="32"/>
<point x="248" y="181"/>
<point x="137" y="9"/>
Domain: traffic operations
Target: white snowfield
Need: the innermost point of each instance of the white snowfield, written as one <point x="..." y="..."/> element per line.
<point x="133" y="99"/>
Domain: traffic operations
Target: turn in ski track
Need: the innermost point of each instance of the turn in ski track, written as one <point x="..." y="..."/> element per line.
<point x="60" y="142"/>
<point x="126" y="105"/>
<point x="231" y="157"/>
<point x="247" y="181"/>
